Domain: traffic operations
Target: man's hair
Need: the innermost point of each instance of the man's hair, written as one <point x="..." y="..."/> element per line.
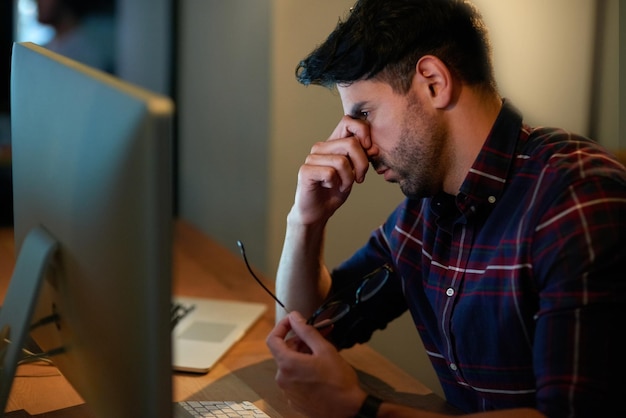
<point x="384" y="39"/>
<point x="82" y="8"/>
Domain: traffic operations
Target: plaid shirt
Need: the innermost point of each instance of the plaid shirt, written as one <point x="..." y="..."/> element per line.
<point x="517" y="285"/>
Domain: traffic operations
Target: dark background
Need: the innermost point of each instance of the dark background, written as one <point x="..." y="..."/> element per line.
<point x="6" y="40"/>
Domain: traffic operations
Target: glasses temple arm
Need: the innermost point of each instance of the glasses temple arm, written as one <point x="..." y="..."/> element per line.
<point x="269" y="292"/>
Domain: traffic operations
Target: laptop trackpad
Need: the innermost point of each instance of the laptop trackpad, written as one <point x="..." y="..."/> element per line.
<point x="213" y="332"/>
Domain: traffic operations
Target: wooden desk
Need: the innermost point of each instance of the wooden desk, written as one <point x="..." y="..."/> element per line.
<point x="203" y="268"/>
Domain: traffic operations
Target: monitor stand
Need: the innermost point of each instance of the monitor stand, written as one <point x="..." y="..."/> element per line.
<point x="19" y="304"/>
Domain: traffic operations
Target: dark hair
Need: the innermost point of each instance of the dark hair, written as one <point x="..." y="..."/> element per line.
<point x="84" y="7"/>
<point x="385" y="39"/>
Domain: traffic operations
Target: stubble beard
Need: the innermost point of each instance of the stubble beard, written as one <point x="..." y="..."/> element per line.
<point x="418" y="158"/>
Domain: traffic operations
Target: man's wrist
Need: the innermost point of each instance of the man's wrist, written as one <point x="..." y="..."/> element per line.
<point x="369" y="408"/>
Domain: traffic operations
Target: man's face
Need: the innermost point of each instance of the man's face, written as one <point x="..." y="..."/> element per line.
<point x="408" y="133"/>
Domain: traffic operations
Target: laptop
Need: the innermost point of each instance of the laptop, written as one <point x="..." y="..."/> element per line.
<point x="205" y="329"/>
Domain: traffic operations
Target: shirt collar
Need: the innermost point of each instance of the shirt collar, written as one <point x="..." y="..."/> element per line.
<point x="487" y="178"/>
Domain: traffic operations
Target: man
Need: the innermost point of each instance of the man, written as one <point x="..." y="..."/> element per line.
<point x="507" y="251"/>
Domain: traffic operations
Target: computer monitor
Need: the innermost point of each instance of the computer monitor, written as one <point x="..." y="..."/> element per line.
<point x="92" y="173"/>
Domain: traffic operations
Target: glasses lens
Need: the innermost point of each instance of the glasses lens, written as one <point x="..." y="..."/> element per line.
<point x="333" y="311"/>
<point x="372" y="283"/>
<point x="330" y="313"/>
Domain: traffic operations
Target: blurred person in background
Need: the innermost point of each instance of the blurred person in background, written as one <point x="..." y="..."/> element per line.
<point x="83" y="30"/>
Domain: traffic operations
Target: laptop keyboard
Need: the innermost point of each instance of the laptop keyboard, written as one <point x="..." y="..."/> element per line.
<point x="178" y="311"/>
<point x="223" y="409"/>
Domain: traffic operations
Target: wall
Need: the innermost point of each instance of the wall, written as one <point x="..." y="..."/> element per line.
<point x="558" y="67"/>
<point x="606" y="110"/>
<point x="224" y="115"/>
<point x="242" y="142"/>
<point x="144" y="47"/>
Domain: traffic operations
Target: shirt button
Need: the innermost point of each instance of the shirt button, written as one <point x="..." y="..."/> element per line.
<point x="450" y="291"/>
<point x="491" y="199"/>
<point x="453" y="367"/>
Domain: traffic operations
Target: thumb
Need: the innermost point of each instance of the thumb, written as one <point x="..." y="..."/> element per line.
<point x="315" y="340"/>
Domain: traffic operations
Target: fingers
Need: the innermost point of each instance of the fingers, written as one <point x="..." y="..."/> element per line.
<point x="277" y="335"/>
<point x="307" y="340"/>
<point x="347" y="150"/>
<point x="329" y="172"/>
<point x="345" y="156"/>
<point x="351" y="127"/>
<point x="309" y="335"/>
<point x="350" y="139"/>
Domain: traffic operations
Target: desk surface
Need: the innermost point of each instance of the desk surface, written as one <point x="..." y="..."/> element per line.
<point x="203" y="268"/>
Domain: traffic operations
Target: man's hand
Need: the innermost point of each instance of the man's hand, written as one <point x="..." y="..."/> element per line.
<point x="316" y="380"/>
<point x="329" y="171"/>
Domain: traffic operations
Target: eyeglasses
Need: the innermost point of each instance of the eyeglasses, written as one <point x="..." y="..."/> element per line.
<point x="334" y="309"/>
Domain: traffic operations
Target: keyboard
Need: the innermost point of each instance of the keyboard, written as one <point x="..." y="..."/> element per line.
<point x="178" y="311"/>
<point x="223" y="409"/>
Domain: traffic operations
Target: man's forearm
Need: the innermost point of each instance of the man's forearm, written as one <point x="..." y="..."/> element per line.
<point x="302" y="280"/>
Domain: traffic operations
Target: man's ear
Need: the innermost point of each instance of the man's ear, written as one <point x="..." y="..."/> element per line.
<point x="434" y="75"/>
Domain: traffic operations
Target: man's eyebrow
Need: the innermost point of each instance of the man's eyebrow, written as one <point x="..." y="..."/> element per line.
<point x="356" y="110"/>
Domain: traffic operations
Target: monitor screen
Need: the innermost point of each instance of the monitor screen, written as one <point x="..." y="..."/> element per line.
<point x="92" y="171"/>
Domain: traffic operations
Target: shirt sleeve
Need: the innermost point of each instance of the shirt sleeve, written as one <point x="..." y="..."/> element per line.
<point x="388" y="303"/>
<point x="579" y="256"/>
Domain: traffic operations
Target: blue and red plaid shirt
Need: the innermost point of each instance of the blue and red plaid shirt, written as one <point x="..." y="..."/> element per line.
<point x="517" y="285"/>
